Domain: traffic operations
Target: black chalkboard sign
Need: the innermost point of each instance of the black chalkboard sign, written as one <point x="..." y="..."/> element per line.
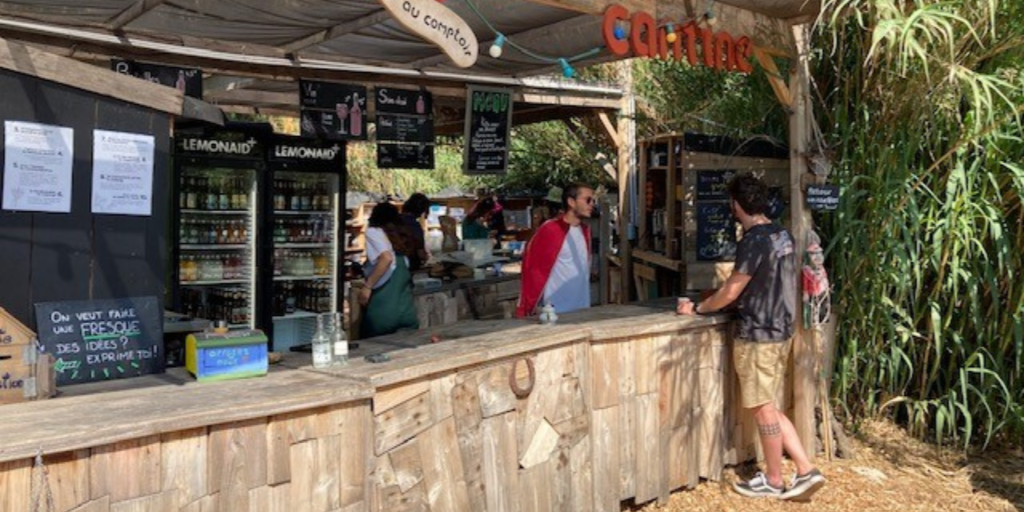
<point x="713" y="185"/>
<point x="102" y="339"/>
<point x="716" y="232"/>
<point x="404" y="129"/>
<point x="332" y="111"/>
<point x="823" y="197"/>
<point x="405" y="156"/>
<point x="488" y="122"/>
<point x="186" y="80"/>
<point x="402" y="101"/>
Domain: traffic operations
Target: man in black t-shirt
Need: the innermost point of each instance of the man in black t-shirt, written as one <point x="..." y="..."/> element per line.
<point x="763" y="287"/>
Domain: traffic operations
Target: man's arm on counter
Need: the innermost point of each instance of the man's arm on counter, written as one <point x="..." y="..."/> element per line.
<point x="725" y="295"/>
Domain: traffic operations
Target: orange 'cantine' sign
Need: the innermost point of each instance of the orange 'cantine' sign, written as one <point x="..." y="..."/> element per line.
<point x="646" y="38"/>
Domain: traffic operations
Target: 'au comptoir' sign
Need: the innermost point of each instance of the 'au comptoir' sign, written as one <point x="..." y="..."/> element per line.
<point x="438" y="24"/>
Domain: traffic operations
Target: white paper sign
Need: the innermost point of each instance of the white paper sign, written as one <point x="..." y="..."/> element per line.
<point x="122" y="173"/>
<point x="37" y="167"/>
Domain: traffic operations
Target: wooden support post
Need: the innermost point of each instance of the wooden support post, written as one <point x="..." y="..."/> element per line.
<point x="804" y="353"/>
<point x="627" y="170"/>
<point x="671" y="233"/>
<point x="782" y="92"/>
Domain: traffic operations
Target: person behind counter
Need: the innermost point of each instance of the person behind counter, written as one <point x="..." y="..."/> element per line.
<point x="763" y="285"/>
<point x="556" y="262"/>
<point x="414" y="209"/>
<point x="474" y="226"/>
<point x="387" y="294"/>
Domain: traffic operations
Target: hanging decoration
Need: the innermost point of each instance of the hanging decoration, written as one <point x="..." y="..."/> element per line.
<point x="564" y="62"/>
<point x="438" y="24"/>
<point x="647" y="38"/>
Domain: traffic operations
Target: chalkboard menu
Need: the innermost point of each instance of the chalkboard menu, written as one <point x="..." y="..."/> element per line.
<point x="714" y="185"/>
<point x="187" y="80"/>
<point x="823" y="197"/>
<point x="716" y="232"/>
<point x="102" y="339"/>
<point x="488" y="124"/>
<point x="405" y="156"/>
<point x="332" y="111"/>
<point x="405" y="128"/>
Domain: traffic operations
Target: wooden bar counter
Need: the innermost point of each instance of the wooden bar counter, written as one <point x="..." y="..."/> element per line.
<point x="611" y="404"/>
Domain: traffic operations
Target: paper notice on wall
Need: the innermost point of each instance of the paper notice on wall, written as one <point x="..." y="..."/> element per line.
<point x="122" y="173"/>
<point x="37" y="167"/>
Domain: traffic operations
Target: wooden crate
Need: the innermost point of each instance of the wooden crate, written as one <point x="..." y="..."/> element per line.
<point x="25" y="374"/>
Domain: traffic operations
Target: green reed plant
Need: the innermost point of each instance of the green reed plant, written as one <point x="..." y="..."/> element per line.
<point x="921" y="102"/>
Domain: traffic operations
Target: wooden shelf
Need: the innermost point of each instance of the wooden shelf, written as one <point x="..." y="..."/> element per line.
<point x="213" y="247"/>
<point x="303" y="245"/>
<point x="303" y="212"/>
<point x="215" y="212"/>
<point x="301" y="278"/>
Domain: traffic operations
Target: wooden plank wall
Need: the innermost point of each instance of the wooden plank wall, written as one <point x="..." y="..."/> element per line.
<point x="79" y="255"/>
<point x="315" y="460"/>
<point x="605" y="421"/>
<point x="608" y="421"/>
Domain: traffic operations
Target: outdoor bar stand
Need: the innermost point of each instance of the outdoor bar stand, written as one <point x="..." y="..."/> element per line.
<point x="609" y="404"/>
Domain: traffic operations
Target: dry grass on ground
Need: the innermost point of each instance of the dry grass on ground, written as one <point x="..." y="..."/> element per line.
<point x="889" y="472"/>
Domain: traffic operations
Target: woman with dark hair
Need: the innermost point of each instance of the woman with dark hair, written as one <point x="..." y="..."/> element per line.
<point x="412" y="211"/>
<point x="474" y="226"/>
<point x="387" y="293"/>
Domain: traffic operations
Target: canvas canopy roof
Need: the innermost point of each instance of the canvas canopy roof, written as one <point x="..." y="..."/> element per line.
<point x="325" y="32"/>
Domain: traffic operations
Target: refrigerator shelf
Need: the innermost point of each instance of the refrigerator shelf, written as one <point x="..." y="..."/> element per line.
<point x="304" y="246"/>
<point x="212" y="247"/>
<point x="298" y="315"/>
<point x="214" y="283"/>
<point x="303" y="212"/>
<point x="216" y="212"/>
<point x="301" y="278"/>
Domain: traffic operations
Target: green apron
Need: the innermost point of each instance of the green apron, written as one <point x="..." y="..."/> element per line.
<point x="391" y="307"/>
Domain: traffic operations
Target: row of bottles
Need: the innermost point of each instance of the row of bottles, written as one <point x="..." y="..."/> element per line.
<point x="214" y="193"/>
<point x="330" y="347"/>
<point x="211" y="267"/>
<point x="230" y="304"/>
<point x="213" y="231"/>
<point x="301" y="196"/>
<point x="316" y="229"/>
<point x="291" y="296"/>
<point x="301" y="263"/>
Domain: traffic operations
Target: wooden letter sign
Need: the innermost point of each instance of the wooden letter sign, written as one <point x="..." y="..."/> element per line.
<point x="438" y="24"/>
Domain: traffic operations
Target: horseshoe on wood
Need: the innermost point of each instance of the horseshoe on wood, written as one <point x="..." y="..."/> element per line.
<point x="514" y="384"/>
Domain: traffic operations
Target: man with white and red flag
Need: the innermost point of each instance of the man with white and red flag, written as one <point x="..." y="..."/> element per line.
<point x="556" y="263"/>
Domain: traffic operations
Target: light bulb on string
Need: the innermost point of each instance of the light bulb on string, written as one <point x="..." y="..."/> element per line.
<point x="567" y="70"/>
<point x="619" y="32"/>
<point x="710" y="18"/>
<point x="495" y="50"/>
<point x="670" y="33"/>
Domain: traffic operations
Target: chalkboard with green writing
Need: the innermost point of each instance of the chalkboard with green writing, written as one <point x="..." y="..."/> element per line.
<point x="488" y="120"/>
<point x="99" y="340"/>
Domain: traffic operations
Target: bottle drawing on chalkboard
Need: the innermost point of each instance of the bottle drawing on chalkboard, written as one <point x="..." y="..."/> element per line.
<point x="180" y="84"/>
<point x="421" y="107"/>
<point x="357" y="117"/>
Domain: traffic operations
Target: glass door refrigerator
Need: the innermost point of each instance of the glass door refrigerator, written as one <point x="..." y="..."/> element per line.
<point x="304" y="202"/>
<point x="217" y="185"/>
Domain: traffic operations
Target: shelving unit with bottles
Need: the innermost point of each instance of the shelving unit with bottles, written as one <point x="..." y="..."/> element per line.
<point x="216" y="243"/>
<point x="303" y="233"/>
<point x="670" y="168"/>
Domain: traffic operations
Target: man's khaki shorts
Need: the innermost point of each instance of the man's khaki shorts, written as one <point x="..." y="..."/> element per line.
<point x="761" y="366"/>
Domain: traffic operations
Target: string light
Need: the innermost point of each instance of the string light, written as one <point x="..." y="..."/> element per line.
<point x="619" y="32"/>
<point x="567" y="70"/>
<point x="496" y="47"/>
<point x="709" y="15"/>
<point x="670" y="33"/>
<point x="565" y="62"/>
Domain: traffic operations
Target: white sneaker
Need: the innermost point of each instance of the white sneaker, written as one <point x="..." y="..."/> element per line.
<point x="804" y="486"/>
<point x="757" y="487"/>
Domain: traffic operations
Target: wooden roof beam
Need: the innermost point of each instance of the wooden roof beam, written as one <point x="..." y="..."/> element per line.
<point x="574" y="23"/>
<point x="374" y="18"/>
<point x="132" y="13"/>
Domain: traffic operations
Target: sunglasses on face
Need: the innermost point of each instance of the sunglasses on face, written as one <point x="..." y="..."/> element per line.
<point x="588" y="200"/>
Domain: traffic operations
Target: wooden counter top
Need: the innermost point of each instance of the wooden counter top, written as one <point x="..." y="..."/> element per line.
<point x="75" y="422"/>
<point x="475" y="342"/>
